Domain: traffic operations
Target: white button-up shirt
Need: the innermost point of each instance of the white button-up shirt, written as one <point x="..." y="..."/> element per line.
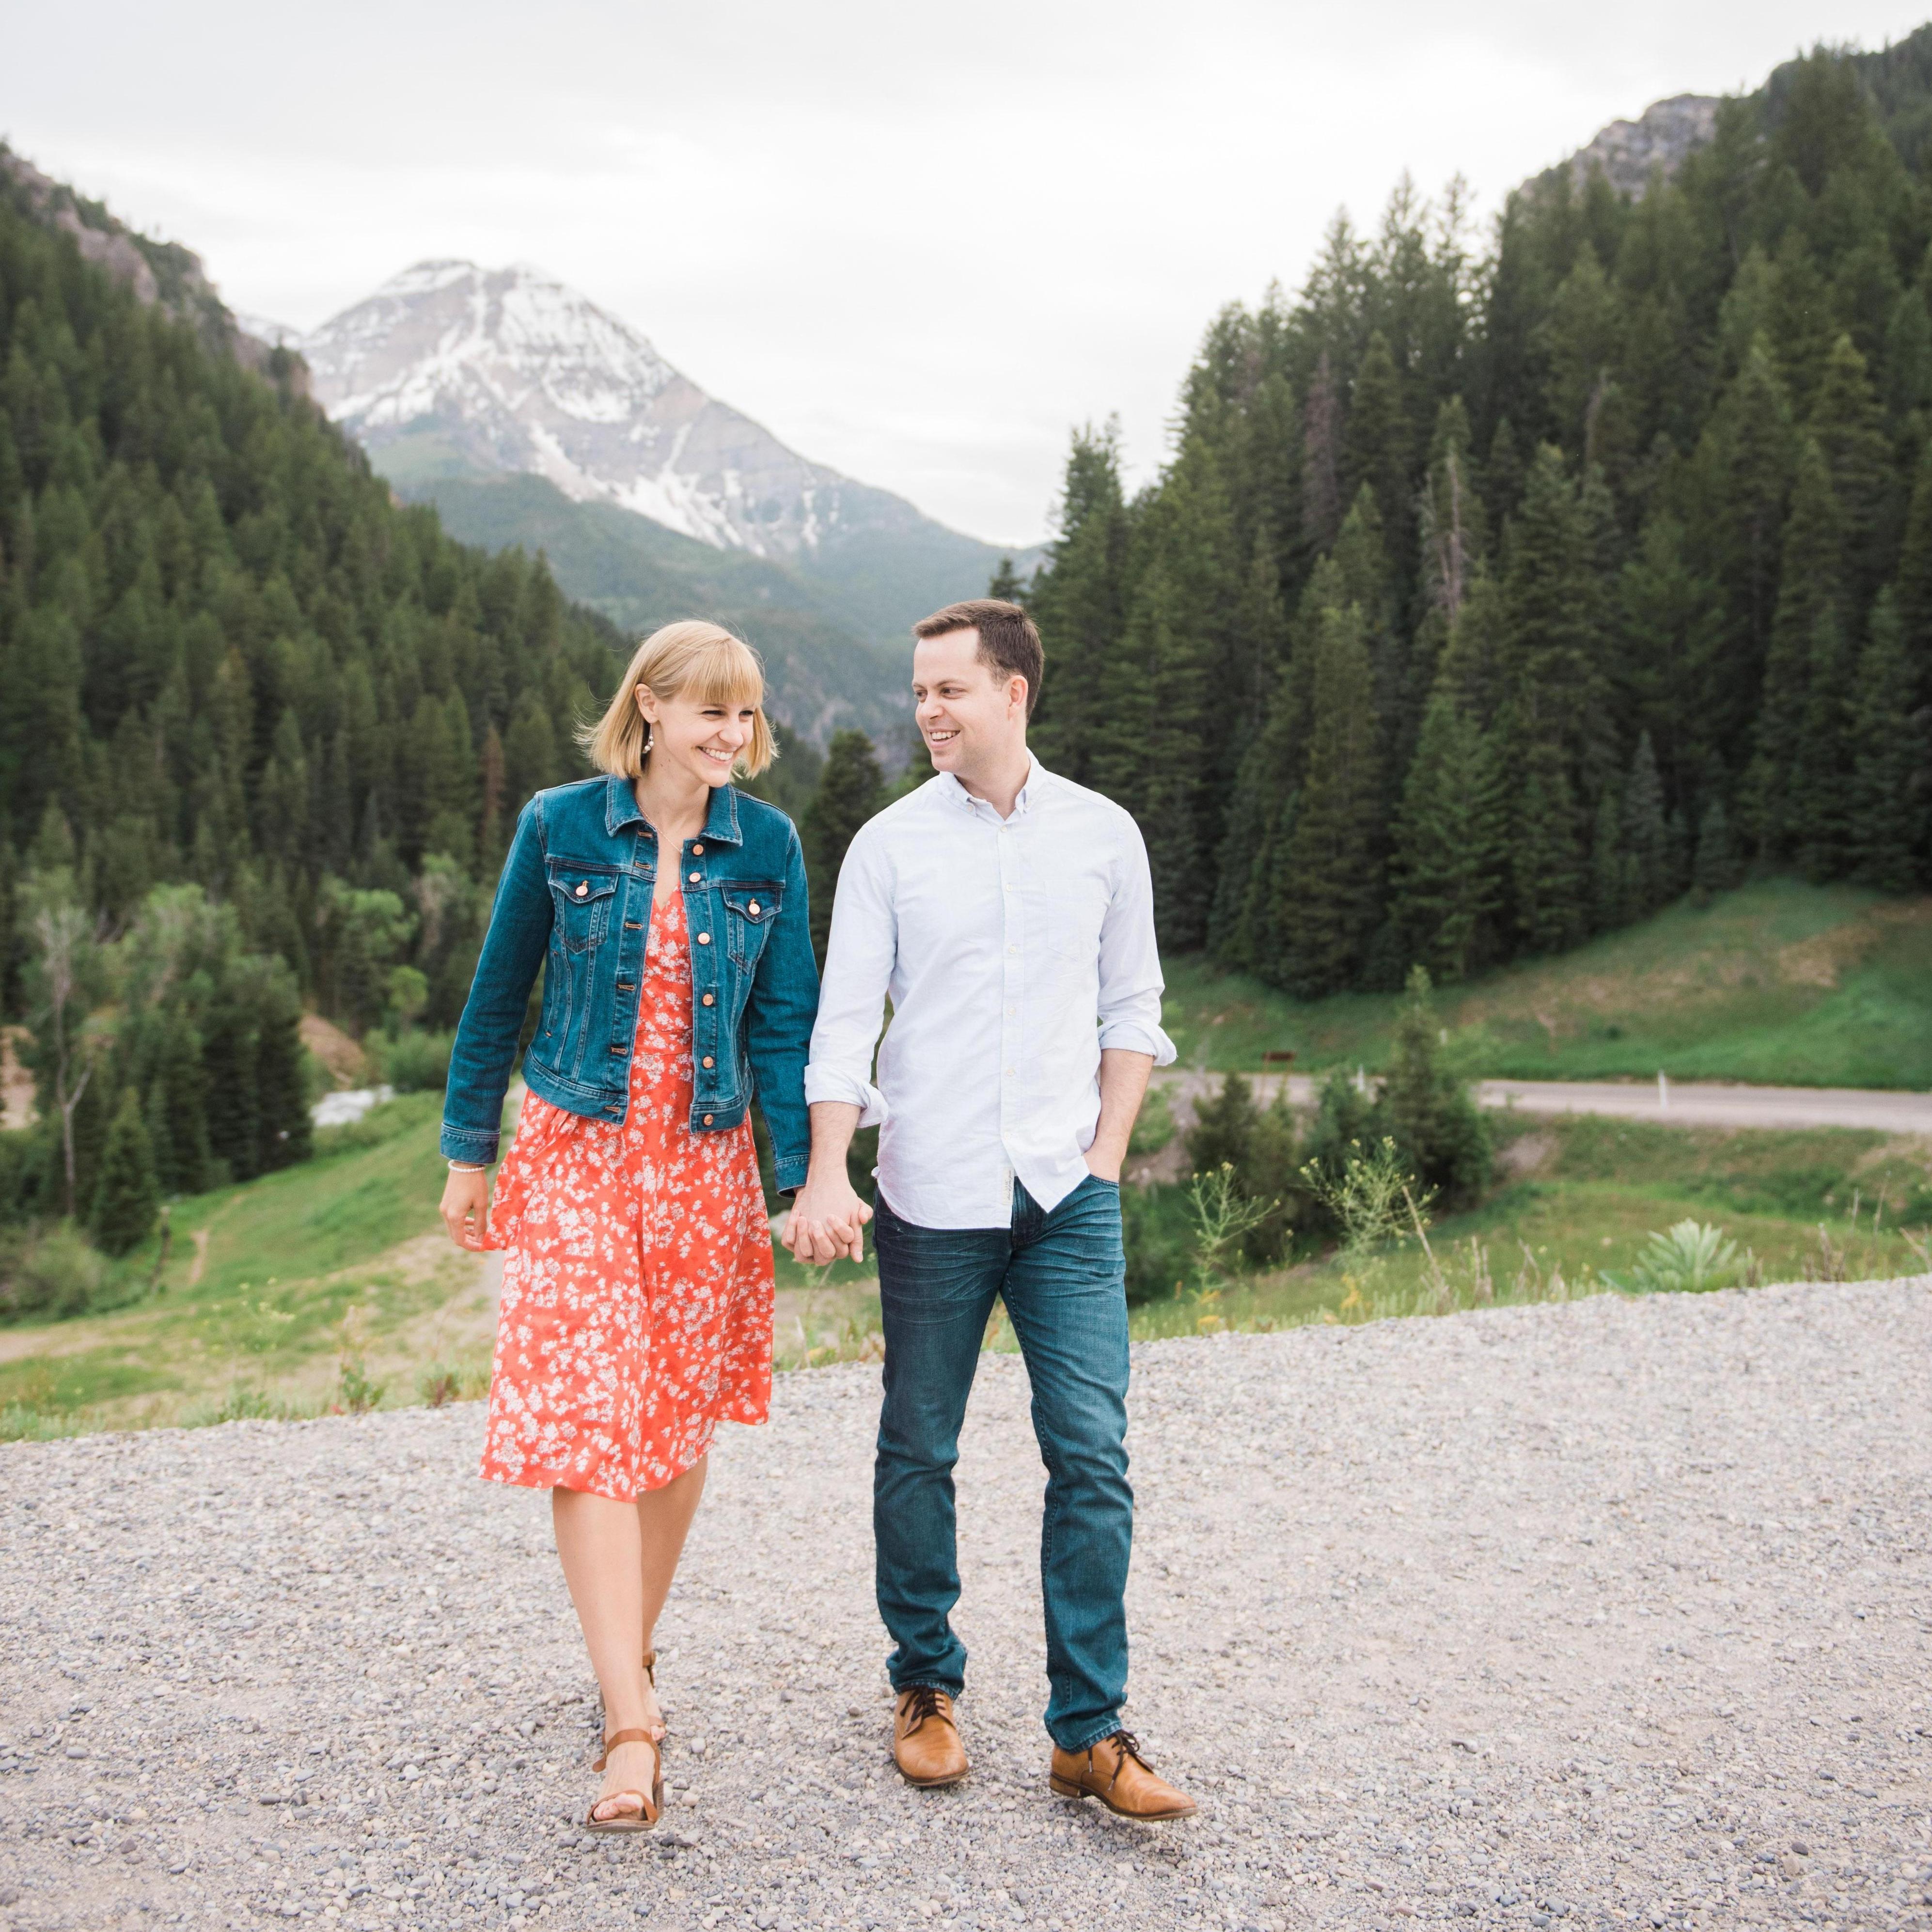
<point x="1012" y="950"/>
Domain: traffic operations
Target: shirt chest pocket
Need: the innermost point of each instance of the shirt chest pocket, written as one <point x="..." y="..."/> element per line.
<point x="750" y="909"/>
<point x="582" y="901"/>
<point x="1075" y="909"/>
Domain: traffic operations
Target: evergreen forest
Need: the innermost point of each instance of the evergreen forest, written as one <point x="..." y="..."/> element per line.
<point x="1492" y="597"/>
<point x="263" y="734"/>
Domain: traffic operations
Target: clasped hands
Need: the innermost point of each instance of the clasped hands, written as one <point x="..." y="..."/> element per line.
<point x="827" y="1222"/>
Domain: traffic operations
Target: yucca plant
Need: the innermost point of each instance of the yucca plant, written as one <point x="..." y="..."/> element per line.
<point x="1692" y="1257"/>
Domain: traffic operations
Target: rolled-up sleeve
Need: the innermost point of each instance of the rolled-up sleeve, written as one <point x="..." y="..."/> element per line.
<point x="1130" y="978"/>
<point x="858" y="971"/>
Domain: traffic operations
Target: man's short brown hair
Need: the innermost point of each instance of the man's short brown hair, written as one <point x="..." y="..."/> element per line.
<point x="1008" y="640"/>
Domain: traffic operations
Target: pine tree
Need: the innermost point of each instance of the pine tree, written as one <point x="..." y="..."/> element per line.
<point x="1446" y="874"/>
<point x="1006" y="583"/>
<point x="1331" y="854"/>
<point x="851" y="791"/>
<point x="1548" y="876"/>
<point x="1155" y="692"/>
<point x="128" y="1196"/>
<point x="1378" y="453"/>
<point x="1078" y="601"/>
<point x="1432" y="1117"/>
<point x="1224" y="1127"/>
<point x="1323" y="433"/>
<point x="1646" y="836"/>
<point x="1503" y="474"/>
<point x="1714" y="869"/>
<point x="1808" y="624"/>
<point x="1890" y="803"/>
<point x="1848" y="427"/>
<point x="179" y="1099"/>
<point x="1744" y="466"/>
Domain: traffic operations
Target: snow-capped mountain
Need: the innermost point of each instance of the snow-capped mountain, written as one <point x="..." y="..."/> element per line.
<point x="496" y="369"/>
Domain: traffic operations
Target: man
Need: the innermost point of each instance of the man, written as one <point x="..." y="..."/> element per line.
<point x="1009" y="915"/>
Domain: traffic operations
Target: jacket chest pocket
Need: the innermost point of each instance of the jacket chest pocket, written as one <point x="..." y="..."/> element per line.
<point x="750" y="910"/>
<point x="581" y="901"/>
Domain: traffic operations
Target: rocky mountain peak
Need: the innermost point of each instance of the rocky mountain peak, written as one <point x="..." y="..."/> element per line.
<point x="161" y="274"/>
<point x="1627" y="151"/>
<point x="451" y="369"/>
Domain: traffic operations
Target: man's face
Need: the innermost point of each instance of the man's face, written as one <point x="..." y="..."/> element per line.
<point x="969" y="712"/>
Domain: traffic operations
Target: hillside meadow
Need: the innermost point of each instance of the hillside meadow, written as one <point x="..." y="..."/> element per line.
<point x="1778" y="982"/>
<point x="331" y="1285"/>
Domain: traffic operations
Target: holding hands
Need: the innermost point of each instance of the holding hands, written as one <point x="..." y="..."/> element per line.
<point x="828" y="1219"/>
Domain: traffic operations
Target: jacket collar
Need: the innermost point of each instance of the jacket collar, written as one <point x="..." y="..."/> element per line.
<point x="721" y="819"/>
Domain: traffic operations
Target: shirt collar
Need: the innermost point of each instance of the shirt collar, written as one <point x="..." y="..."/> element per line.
<point x="1029" y="793"/>
<point x="721" y="817"/>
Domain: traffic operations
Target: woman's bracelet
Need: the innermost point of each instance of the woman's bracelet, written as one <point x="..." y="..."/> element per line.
<point x="468" y="1167"/>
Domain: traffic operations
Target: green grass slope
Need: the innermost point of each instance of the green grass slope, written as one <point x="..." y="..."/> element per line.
<point x="1779" y="982"/>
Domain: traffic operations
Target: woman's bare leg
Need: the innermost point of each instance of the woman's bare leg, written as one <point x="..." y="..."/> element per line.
<point x="598" y="1540"/>
<point x="664" y="1520"/>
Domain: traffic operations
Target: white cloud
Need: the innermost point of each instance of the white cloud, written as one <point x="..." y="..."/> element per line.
<point x="918" y="243"/>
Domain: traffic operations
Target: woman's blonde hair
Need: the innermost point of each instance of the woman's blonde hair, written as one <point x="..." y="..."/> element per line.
<point x="693" y="659"/>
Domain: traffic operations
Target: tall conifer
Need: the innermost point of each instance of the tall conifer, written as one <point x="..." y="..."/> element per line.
<point x="1889" y="808"/>
<point x="1446" y="874"/>
<point x="1331" y="850"/>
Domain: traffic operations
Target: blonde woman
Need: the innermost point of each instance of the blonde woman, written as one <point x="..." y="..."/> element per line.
<point x="667" y="912"/>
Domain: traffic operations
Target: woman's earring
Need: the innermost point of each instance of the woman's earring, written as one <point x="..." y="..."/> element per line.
<point x="644" y="750"/>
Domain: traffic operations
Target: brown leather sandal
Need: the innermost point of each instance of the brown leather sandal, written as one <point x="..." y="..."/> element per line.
<point x="649" y="1809"/>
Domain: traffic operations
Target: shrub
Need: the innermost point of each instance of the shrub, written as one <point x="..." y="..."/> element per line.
<point x="1223" y="1130"/>
<point x="54" y="1274"/>
<point x="412" y="1062"/>
<point x="1157" y="1229"/>
<point x="1260" y="1147"/>
<point x="128" y="1196"/>
<point x="1429" y="1113"/>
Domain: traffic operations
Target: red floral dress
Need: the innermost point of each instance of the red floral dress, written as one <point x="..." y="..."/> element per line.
<point x="637" y="1308"/>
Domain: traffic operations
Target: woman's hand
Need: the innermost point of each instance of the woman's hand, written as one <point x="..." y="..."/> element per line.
<point x="828" y="1219"/>
<point x="466" y="1207"/>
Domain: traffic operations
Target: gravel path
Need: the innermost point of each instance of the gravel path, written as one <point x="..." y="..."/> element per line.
<point x="1612" y="1613"/>
<point x="1672" y="1103"/>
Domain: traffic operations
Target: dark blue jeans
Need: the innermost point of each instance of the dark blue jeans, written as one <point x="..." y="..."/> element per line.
<point x="1062" y="1276"/>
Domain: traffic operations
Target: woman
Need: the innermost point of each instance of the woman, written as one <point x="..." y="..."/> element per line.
<point x="668" y="911"/>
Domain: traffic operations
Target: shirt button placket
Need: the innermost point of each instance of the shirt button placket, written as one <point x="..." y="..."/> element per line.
<point x="1011" y="915"/>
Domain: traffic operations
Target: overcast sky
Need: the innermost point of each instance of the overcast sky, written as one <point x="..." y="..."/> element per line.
<point x="919" y="242"/>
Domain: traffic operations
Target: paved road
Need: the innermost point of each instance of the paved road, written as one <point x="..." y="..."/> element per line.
<point x="1597" y="1617"/>
<point x="1694" y="1104"/>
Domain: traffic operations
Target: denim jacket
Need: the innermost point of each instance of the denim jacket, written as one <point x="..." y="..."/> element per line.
<point x="575" y="899"/>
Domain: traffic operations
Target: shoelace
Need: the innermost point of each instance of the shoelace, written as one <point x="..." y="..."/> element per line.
<point x="925" y="1704"/>
<point x="1130" y="1747"/>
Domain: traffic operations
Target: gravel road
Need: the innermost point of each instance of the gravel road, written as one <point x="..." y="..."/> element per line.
<point x="1614" y="1613"/>
<point x="1689" y="1103"/>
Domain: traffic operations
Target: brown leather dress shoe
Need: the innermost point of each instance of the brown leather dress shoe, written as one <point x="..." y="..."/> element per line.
<point x="1114" y="1771"/>
<point x="926" y="1740"/>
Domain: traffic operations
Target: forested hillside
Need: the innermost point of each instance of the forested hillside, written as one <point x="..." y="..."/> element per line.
<point x="1491" y="598"/>
<point x="231" y="665"/>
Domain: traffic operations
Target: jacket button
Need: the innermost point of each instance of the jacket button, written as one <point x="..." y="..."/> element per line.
<point x="696" y="850"/>
<point x="704" y="939"/>
<point x="696" y="877"/>
<point x="583" y="889"/>
<point x="620" y="1049"/>
<point x="709" y="1000"/>
<point x="709" y="1061"/>
<point x="707" y="1120"/>
<point x="755" y="908"/>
